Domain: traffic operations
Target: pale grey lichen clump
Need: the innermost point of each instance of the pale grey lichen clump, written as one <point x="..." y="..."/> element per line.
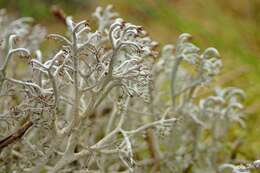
<point x="246" y="168"/>
<point x="101" y="102"/>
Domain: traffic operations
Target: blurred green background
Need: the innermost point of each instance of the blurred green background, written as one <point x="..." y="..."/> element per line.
<point x="232" y="26"/>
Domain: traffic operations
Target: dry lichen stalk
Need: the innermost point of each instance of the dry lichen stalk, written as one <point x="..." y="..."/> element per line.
<point x="97" y="104"/>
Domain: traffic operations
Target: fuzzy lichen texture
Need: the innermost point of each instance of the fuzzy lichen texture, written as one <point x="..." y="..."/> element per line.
<point x="106" y="101"/>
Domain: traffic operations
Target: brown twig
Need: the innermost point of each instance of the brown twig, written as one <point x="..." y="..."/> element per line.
<point x="150" y="140"/>
<point x="59" y="13"/>
<point x="15" y="136"/>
